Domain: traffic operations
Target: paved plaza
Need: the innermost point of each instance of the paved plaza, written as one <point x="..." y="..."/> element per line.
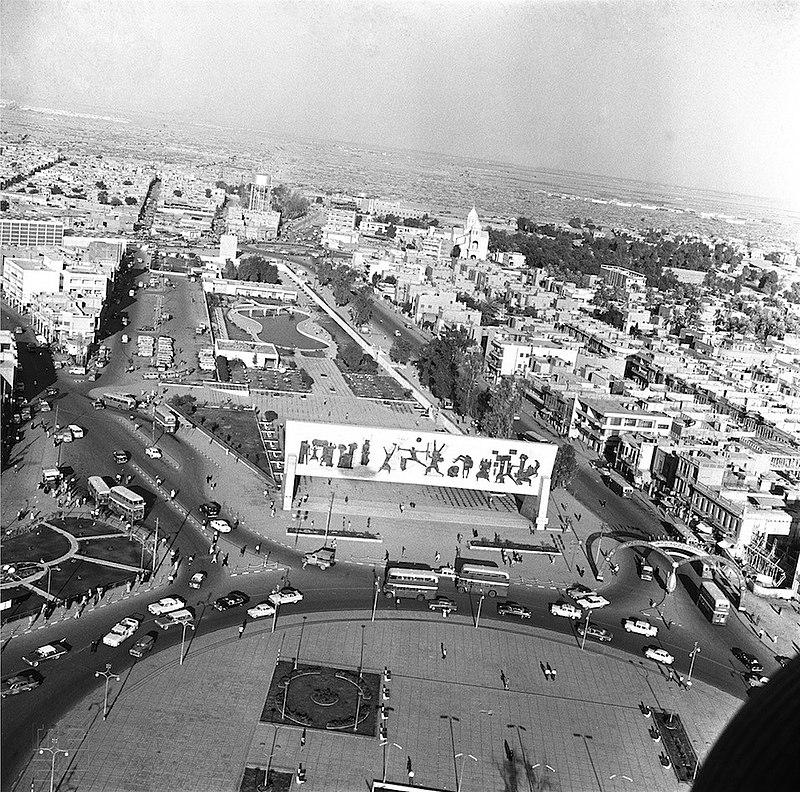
<point x="196" y="726"/>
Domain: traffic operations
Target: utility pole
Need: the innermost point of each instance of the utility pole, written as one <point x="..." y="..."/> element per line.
<point x="155" y="547"/>
<point x="692" y="654"/>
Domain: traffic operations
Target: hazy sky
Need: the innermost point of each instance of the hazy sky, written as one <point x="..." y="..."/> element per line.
<point x="703" y="94"/>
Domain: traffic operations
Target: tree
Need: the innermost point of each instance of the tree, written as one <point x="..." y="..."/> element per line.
<point x="230" y="270"/>
<point x="102" y="197"/>
<point x="362" y="307"/>
<point x="504" y="401"/>
<point x="400" y="351"/>
<point x="131" y="201"/>
<point x="290" y="203"/>
<point x="455" y="252"/>
<point x="342" y="283"/>
<point x="565" y="466"/>
<point x="178" y="193"/>
<point x="56" y="190"/>
<point x="438" y="362"/>
<point x="101" y="185"/>
<point x="4" y="205"/>
<point x="470" y="367"/>
<point x="115" y="201"/>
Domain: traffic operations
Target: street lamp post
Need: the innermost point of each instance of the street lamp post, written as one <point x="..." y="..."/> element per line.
<point x="452" y="718"/>
<point x="375" y="601"/>
<point x="692" y="654"/>
<point x="53" y="750"/>
<point x="361" y="660"/>
<point x="463" y="759"/>
<point x="108" y="675"/>
<point x="522" y="746"/>
<point x="599" y="544"/>
<point x="300" y="642"/>
<point x="275" y="616"/>
<point x="272" y="749"/>
<point x="183" y="639"/>
<point x="586" y="738"/>
<point x="386" y="748"/>
<point x="585" y="629"/>
<point x="478" y="615"/>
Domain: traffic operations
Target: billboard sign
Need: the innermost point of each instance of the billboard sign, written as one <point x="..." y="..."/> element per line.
<point x="406" y="456"/>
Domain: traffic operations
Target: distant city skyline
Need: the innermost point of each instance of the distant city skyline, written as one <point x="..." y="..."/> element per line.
<point x="695" y="94"/>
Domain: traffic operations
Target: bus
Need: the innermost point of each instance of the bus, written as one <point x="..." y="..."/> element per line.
<point x="126" y="503"/>
<point x="617" y="484"/>
<point x="482" y="577"/>
<point x="121" y="401"/>
<point x="99" y="490"/>
<point x="413" y="581"/>
<point x="165" y="418"/>
<point x="714" y="604"/>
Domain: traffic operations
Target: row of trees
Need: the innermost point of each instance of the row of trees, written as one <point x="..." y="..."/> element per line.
<point x="254" y="268"/>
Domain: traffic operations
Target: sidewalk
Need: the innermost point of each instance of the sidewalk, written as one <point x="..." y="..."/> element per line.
<point x="158" y="734"/>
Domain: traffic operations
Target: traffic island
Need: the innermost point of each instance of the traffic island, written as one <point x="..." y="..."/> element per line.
<point x="678" y="747"/>
<point x="322" y="697"/>
<point x="255" y="780"/>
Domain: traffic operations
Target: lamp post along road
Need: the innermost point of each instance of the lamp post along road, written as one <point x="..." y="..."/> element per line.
<point x="300" y="642"/>
<point x="478" y="615"/>
<point x="275" y="616"/>
<point x="386" y="748"/>
<point x="52" y="750"/>
<point x="692" y="654"/>
<point x="585" y="629"/>
<point x="108" y="675"/>
<point x="452" y="718"/>
<point x="183" y="639"/>
<point x="463" y="759"/>
<point x="522" y="747"/>
<point x="375" y="601"/>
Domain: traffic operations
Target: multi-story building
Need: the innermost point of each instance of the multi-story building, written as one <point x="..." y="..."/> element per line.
<point x="472" y="240"/>
<point x="30" y="233"/>
<point x="510" y="354"/>
<point x="597" y="421"/>
<point x="624" y="279"/>
<point x="8" y="370"/>
<point x="63" y="321"/>
<point x="425" y="305"/>
<point x="23" y="279"/>
<point x="259" y="195"/>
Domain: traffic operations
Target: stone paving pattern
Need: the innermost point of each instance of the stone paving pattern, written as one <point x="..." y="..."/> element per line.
<point x="197" y="726"/>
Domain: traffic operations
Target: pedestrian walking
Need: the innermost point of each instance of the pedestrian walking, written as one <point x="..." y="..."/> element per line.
<point x="369" y="520"/>
<point x="225" y="560"/>
<point x="444" y="652"/>
<point x="95" y="644"/>
<point x="243" y="550"/>
<point x="551" y="674"/>
<point x="386" y="556"/>
<point x="401" y="508"/>
<point x="258" y="548"/>
<point x="403" y="551"/>
<point x="437" y="556"/>
<point x="346" y="498"/>
<point x="303" y="738"/>
<point x="241" y="628"/>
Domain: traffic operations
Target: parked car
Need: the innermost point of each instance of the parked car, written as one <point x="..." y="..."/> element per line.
<point x="232" y="600"/>
<point x="578" y="590"/>
<point x="598" y="633"/>
<point x="165" y="605"/>
<point x="44" y="406"/>
<point x="78" y="432"/>
<point x="21" y="682"/>
<point x="47" y="652"/>
<point x="513" y="609"/>
<point x="443" y="604"/>
<point x="323" y="558"/>
<point x="592" y="601"/>
<point x="121" y="631"/>
<point x="51" y="391"/>
<point x="565" y="609"/>
<point x="143" y="645"/>
<point x="182" y="616"/>
<point x="261" y="610"/>
<point x="210" y="509"/>
<point x="285" y="596"/>
<point x="153" y="452"/>
<point x="751" y="661"/>
<point x="640" y="626"/>
<point x="121" y="457"/>
<point x="197" y="579"/>
<point x="659" y="655"/>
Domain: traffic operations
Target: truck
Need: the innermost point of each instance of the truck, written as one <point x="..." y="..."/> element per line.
<point x="323" y="558"/>
<point x="645" y="570"/>
<point x="617" y="484"/>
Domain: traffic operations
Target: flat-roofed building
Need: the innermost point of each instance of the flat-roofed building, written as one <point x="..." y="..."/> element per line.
<point x="254" y="354"/>
<point x="22" y="279"/>
<point x="30" y="233"/>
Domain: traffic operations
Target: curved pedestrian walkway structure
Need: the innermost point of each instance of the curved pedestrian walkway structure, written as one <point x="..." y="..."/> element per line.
<point x="453" y="690"/>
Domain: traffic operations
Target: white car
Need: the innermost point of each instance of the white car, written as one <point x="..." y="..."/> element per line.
<point x="77" y="431"/>
<point x="153" y="452"/>
<point x="262" y="609"/>
<point x="166" y="605"/>
<point x="565" y="609"/>
<point x="592" y="601"/>
<point x="659" y="655"/>
<point x="47" y="652"/>
<point x="640" y="626"/>
<point x="218" y="524"/>
<point x="121" y="631"/>
<point x="285" y="596"/>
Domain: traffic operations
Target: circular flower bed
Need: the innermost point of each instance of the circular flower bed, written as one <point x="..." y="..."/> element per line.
<point x="324" y="697"/>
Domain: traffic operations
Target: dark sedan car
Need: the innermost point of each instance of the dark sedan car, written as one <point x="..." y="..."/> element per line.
<point x="210" y="509"/>
<point x="232" y="600"/>
<point x="747" y="659"/>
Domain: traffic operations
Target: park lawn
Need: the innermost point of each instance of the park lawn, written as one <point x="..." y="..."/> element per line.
<point x="237" y="428"/>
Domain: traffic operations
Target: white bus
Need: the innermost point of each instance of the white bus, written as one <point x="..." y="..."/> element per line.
<point x="99" y="490"/>
<point x="417" y="581"/>
<point x="126" y="503"/>
<point x="121" y="401"/>
<point x="482" y="577"/>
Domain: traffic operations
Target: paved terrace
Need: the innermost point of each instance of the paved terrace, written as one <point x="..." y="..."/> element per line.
<point x="196" y="726"/>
